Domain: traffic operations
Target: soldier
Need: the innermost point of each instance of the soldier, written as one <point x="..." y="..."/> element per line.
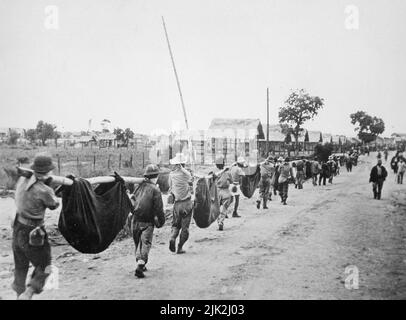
<point x="377" y="177"/>
<point x="224" y="180"/>
<point x="147" y="214"/>
<point x="30" y="241"/>
<point x="180" y="181"/>
<point x="236" y="173"/>
<point x="285" y="174"/>
<point x="267" y="173"/>
<point x="300" y="175"/>
<point x="315" y="169"/>
<point x="332" y="168"/>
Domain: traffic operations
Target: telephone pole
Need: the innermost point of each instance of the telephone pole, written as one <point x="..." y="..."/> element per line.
<point x="267" y="121"/>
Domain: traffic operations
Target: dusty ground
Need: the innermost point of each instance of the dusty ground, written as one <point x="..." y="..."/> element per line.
<point x="298" y="251"/>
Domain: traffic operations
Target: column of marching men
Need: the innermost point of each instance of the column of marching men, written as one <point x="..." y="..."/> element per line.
<point x="34" y="195"/>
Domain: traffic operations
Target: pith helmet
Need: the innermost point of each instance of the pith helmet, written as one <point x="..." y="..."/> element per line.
<point x="151" y="170"/>
<point x="42" y="163"/>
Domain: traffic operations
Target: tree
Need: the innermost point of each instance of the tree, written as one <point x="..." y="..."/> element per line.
<point x="45" y="131"/>
<point x="31" y="135"/>
<point x="128" y="134"/>
<point x="368" y="127"/>
<point x="299" y="107"/>
<point x="13" y="137"/>
<point x="321" y="138"/>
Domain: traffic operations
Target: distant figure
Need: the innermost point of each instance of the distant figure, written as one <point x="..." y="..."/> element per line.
<point x="236" y="173"/>
<point x="224" y="180"/>
<point x="315" y="169"/>
<point x="276" y="176"/>
<point x="332" y="169"/>
<point x="386" y="153"/>
<point x="401" y="170"/>
<point x="267" y="173"/>
<point x="324" y="174"/>
<point x="348" y="163"/>
<point x="377" y="177"/>
<point x="300" y="174"/>
<point x="285" y="174"/>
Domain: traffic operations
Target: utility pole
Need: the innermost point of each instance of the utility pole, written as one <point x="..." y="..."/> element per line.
<point x="176" y="74"/>
<point x="190" y="143"/>
<point x="267" y="121"/>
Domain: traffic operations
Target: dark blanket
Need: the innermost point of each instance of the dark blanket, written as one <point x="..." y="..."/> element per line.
<point x="91" y="219"/>
<point x="206" y="207"/>
<point x="250" y="181"/>
<point x="163" y="180"/>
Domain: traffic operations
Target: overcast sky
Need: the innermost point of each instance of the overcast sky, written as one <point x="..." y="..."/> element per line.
<point x="109" y="59"/>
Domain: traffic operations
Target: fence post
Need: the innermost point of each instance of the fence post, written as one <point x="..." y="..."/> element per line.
<point x="59" y="164"/>
<point x="94" y="162"/>
<point x="108" y="162"/>
<point x="131" y="161"/>
<point x="119" y="162"/>
<point x="143" y="160"/>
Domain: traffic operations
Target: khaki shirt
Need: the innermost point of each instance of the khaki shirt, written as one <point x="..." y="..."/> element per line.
<point x="179" y="184"/>
<point x="236" y="172"/>
<point x="32" y="197"/>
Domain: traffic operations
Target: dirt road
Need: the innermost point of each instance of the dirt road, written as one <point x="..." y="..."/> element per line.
<point x="298" y="251"/>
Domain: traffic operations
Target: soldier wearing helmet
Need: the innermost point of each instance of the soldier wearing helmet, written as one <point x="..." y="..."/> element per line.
<point x="147" y="214"/>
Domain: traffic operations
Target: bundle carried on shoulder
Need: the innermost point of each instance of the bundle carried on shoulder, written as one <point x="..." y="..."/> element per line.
<point x="91" y="218"/>
<point x="207" y="206"/>
<point x="250" y="181"/>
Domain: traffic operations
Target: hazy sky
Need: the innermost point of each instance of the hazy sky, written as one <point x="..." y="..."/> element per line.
<point x="109" y="59"/>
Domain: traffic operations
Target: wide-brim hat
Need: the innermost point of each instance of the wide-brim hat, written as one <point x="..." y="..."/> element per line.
<point x="42" y="163"/>
<point x="180" y="158"/>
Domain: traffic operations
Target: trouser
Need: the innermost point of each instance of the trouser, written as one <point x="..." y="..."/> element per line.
<point x="314" y="179"/>
<point x="377" y="189"/>
<point x="400" y="177"/>
<point x="330" y="178"/>
<point x="283" y="190"/>
<point x="24" y="253"/>
<point x="142" y="234"/>
<point x="300" y="178"/>
<point x="324" y="178"/>
<point x="264" y="189"/>
<point x="349" y="168"/>
<point x="182" y="215"/>
<point x="225" y="199"/>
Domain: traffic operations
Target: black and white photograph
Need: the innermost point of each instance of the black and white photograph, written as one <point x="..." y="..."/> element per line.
<point x="202" y="154"/>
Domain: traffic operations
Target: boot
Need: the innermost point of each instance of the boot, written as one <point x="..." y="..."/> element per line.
<point x="284" y="202"/>
<point x="236" y="215"/>
<point x="258" y="204"/>
<point x="180" y="250"/>
<point x="220" y="227"/>
<point x="27" y="294"/>
<point x="264" y="206"/>
<point x="172" y="244"/>
<point x="139" y="272"/>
